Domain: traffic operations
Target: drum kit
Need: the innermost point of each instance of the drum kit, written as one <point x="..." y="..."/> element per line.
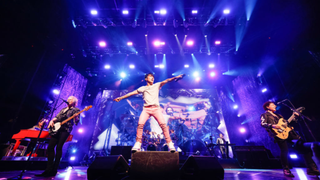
<point x="151" y="141"/>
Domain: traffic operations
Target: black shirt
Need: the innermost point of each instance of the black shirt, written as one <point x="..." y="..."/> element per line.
<point x="64" y="114"/>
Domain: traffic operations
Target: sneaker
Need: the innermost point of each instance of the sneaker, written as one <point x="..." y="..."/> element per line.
<point x="171" y="147"/>
<point x="136" y="147"/>
<point x="287" y="173"/>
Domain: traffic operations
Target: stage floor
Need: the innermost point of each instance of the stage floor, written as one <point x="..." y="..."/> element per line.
<point x="80" y="173"/>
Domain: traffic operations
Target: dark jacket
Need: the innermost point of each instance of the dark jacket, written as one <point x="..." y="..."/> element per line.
<point x="61" y="116"/>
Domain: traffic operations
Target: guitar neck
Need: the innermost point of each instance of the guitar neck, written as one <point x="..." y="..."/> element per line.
<point x="73" y="116"/>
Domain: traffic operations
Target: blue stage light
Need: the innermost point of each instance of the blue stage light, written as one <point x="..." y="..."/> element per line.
<point x="56" y="91"/>
<point x="293" y="156"/>
<point x="72" y="158"/>
<point x="94" y="12"/>
<point x="235" y="106"/>
<point x="196" y="74"/>
<point x="264" y="90"/>
<point x="123" y="74"/>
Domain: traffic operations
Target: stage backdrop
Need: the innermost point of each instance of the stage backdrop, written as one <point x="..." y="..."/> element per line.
<point x="197" y="111"/>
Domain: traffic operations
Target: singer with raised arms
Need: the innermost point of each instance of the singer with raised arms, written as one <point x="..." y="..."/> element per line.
<point x="57" y="140"/>
<point x="151" y="107"/>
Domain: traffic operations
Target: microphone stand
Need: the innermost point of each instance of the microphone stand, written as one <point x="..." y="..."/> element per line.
<point x="29" y="157"/>
<point x="303" y="117"/>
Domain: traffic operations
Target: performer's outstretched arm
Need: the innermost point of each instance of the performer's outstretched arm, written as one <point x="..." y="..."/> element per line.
<point x="126" y="96"/>
<point x="170" y="79"/>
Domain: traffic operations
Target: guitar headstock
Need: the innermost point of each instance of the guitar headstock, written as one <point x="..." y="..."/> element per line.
<point x="87" y="108"/>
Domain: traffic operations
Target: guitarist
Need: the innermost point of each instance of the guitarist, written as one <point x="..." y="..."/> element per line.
<point x="269" y="120"/>
<point x="60" y="137"/>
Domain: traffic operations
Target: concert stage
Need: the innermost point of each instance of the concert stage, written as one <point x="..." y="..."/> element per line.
<point x="80" y="173"/>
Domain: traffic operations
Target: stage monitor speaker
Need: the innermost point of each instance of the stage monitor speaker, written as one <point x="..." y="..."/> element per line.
<point x="154" y="165"/>
<point x="202" y="167"/>
<point x="125" y="151"/>
<point x="110" y="167"/>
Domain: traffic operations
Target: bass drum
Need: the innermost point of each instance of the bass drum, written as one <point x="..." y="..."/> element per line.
<point x="193" y="146"/>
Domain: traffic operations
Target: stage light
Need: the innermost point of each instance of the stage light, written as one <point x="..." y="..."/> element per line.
<point x="194" y="11"/>
<point x="123" y="75"/>
<point x="264" y="90"/>
<point x="125" y="12"/>
<point x="189" y="43"/>
<point x="161" y="66"/>
<point x="107" y="66"/>
<point x="157" y="12"/>
<point x="102" y="44"/>
<point x="156" y="43"/>
<point x="196" y="74"/>
<point x="94" y="12"/>
<point x="205" y="36"/>
<point x="211" y="65"/>
<point x="131" y="66"/>
<point x="156" y="66"/>
<point x="56" y="91"/>
<point x="239" y="115"/>
<point x="226" y="11"/>
<point x="175" y="35"/>
<point x="72" y="158"/>
<point x="129" y="43"/>
<point x="212" y="74"/>
<point x="146" y="35"/>
<point x="80" y="130"/>
<point x="242" y="130"/>
<point x="191" y="108"/>
<point x="293" y="156"/>
<point x="186" y="65"/>
<point x="235" y="106"/>
<point x="217" y="42"/>
<point x="74" y="150"/>
<point x="163" y="11"/>
<point x="198" y="79"/>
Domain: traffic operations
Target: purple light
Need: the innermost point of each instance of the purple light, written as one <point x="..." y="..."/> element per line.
<point x="125" y="12"/>
<point x="80" y="130"/>
<point x="107" y="66"/>
<point x="189" y="43"/>
<point x="129" y="43"/>
<point x="242" y="130"/>
<point x="264" y="90"/>
<point x="226" y="11"/>
<point x="56" y="91"/>
<point x="72" y="158"/>
<point x="194" y="11"/>
<point x="212" y="74"/>
<point x="102" y="44"/>
<point x="293" y="156"/>
<point x="94" y="12"/>
<point x="217" y="42"/>
<point x="163" y="11"/>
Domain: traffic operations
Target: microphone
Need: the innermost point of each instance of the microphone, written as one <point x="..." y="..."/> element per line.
<point x="183" y="75"/>
<point x="64" y="101"/>
<point x="282" y="101"/>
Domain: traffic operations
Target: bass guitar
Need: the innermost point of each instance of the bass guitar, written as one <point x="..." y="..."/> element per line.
<point x="54" y="129"/>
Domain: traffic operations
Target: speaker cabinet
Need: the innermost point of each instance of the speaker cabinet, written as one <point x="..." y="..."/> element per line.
<point x="155" y="165"/>
<point x="202" y="167"/>
<point x="110" y="167"/>
<point x="125" y="151"/>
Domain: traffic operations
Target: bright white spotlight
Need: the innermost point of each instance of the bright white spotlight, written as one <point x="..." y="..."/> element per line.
<point x="156" y="66"/>
<point x="163" y="11"/>
<point x="226" y="11"/>
<point x="94" y="12"/>
<point x="129" y="43"/>
<point x="239" y="115"/>
<point x="217" y="42"/>
<point x="212" y="74"/>
<point x="293" y="156"/>
<point x="264" y="90"/>
<point x="107" y="66"/>
<point x="123" y="75"/>
<point x="189" y="43"/>
<point x="194" y="11"/>
<point x="56" y="91"/>
<point x="211" y="65"/>
<point x="186" y="65"/>
<point x="161" y="66"/>
<point x="102" y="44"/>
<point x="198" y="79"/>
<point x="196" y="74"/>
<point x="74" y="150"/>
<point x="131" y="66"/>
<point x="125" y="12"/>
<point x="157" y="12"/>
<point x="191" y="108"/>
<point x="242" y="130"/>
<point x="235" y="106"/>
<point x="72" y="158"/>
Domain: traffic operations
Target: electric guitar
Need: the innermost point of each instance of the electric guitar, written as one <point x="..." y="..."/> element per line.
<point x="283" y="132"/>
<point x="54" y="129"/>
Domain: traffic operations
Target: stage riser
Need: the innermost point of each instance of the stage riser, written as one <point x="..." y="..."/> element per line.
<point x="20" y="165"/>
